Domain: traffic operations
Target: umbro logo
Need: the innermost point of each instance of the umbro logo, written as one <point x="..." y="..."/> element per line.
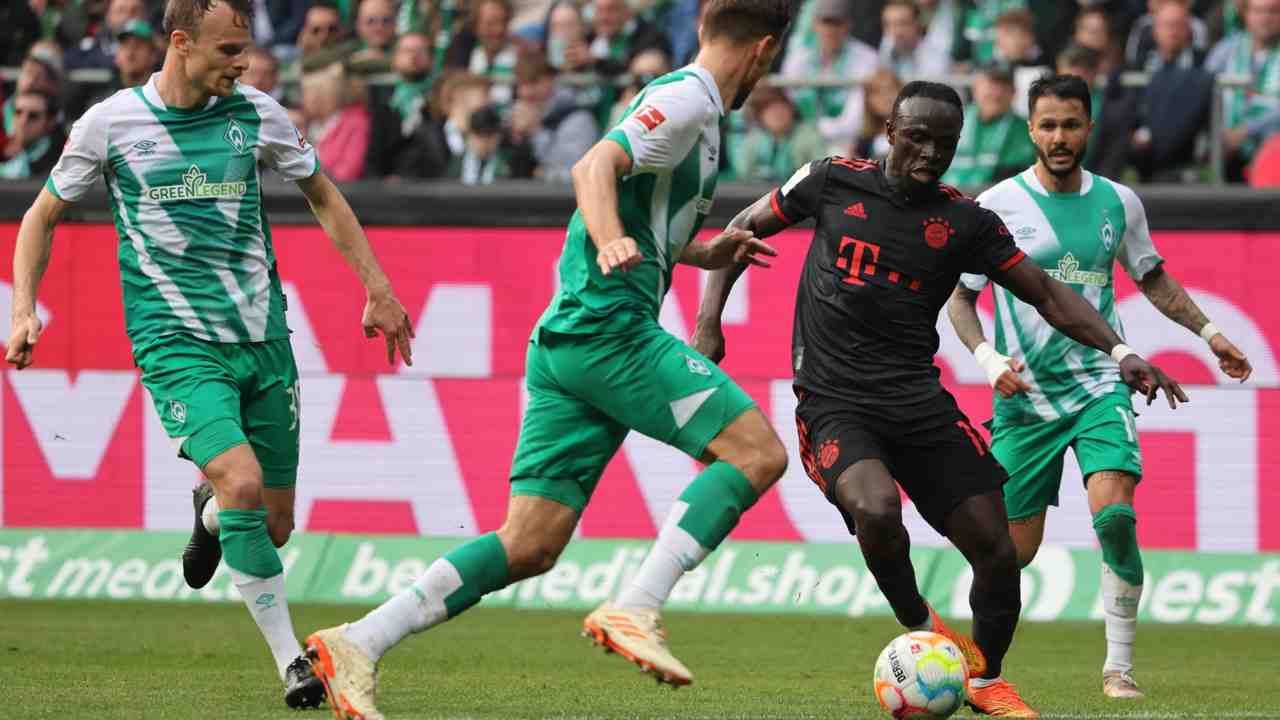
<point x="856" y="210"/>
<point x="145" y="147"/>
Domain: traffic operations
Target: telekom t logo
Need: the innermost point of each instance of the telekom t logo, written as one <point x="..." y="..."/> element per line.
<point x="852" y="257"/>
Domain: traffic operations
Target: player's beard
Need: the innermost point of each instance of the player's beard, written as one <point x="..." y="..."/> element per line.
<point x="1077" y="158"/>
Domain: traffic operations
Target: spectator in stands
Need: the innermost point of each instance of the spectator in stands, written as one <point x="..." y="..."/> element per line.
<point x="485" y="48"/>
<point x="376" y="34"/>
<point x="1142" y="50"/>
<point x="941" y="19"/>
<point x="779" y="143"/>
<point x="875" y="106"/>
<point x="550" y="128"/>
<point x="263" y="72"/>
<point x="442" y="135"/>
<point x="321" y="29"/>
<point x="978" y="30"/>
<point x="835" y="56"/>
<point x="483" y="159"/>
<point x="19" y="28"/>
<point x="41" y="72"/>
<point x="617" y="36"/>
<point x="1015" y="39"/>
<point x="99" y="50"/>
<point x="277" y="22"/>
<point x="682" y="29"/>
<point x="994" y="142"/>
<point x="135" y="61"/>
<point x="32" y="148"/>
<point x="1093" y="29"/>
<point x="1254" y="53"/>
<point x="902" y="48"/>
<point x="1170" y="38"/>
<point x="337" y="122"/>
<point x="566" y="38"/>
<point x="411" y="62"/>
<point x="644" y="68"/>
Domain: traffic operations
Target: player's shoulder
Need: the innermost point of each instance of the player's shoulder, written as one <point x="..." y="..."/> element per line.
<point x="1128" y="197"/>
<point x="1004" y="196"/>
<point x="850" y="171"/>
<point x="681" y="92"/>
<point x="262" y="102"/>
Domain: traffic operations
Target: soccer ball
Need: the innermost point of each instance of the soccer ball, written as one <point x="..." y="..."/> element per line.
<point x="920" y="675"/>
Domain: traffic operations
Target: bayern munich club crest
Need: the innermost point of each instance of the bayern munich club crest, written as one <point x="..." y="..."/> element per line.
<point x="828" y="453"/>
<point x="936" y="232"/>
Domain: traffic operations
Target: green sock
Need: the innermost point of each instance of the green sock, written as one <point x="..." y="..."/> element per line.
<point x="482" y="565"/>
<point x="246" y="546"/>
<point x="1117" y="528"/>
<point x="716" y="499"/>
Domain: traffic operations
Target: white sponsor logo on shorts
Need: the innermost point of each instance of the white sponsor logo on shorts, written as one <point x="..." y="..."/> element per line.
<point x="178" y="411"/>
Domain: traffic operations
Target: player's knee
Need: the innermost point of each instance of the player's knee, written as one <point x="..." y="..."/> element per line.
<point x="280" y="528"/>
<point x="1026" y="552"/>
<point x="773" y="460"/>
<point x="239" y="491"/>
<point x="998" y="555"/>
<point x="533" y="557"/>
<point x="871" y="510"/>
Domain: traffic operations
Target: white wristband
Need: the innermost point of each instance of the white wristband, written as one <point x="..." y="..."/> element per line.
<point x="992" y="363"/>
<point x="1122" y="351"/>
<point x="1208" y="331"/>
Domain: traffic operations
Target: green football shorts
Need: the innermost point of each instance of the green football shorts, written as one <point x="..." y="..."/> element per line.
<point x="1103" y="435"/>
<point x="587" y="391"/>
<point x="213" y="396"/>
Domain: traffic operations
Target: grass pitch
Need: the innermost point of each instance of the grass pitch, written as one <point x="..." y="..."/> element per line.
<point x="134" y="660"/>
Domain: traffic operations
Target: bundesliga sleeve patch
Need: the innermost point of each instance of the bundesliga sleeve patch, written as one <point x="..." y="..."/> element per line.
<point x="650" y="117"/>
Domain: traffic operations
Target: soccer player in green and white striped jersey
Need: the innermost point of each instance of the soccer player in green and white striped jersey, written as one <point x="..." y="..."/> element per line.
<point x="1053" y="393"/>
<point x="599" y="365"/>
<point x="204" y="308"/>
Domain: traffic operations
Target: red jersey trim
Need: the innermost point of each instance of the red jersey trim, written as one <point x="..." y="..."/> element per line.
<point x="1017" y="258"/>
<point x="777" y="208"/>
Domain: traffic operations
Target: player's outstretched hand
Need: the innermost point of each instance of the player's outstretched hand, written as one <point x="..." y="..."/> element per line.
<point x="734" y="246"/>
<point x="1010" y="383"/>
<point x="1230" y="359"/>
<point x="709" y="341"/>
<point x="621" y="254"/>
<point x="384" y="314"/>
<point x="22" y="340"/>
<point x="1148" y="379"/>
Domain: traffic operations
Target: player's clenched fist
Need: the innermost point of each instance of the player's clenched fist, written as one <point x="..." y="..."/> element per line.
<point x="22" y="340"/>
<point x="621" y="254"/>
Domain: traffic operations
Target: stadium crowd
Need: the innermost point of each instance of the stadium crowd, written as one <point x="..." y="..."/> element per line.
<point x="481" y="90"/>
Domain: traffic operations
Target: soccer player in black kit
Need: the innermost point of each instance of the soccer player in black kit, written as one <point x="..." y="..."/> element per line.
<point x="888" y="249"/>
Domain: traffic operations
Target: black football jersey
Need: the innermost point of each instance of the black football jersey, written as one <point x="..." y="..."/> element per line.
<point x="879" y="269"/>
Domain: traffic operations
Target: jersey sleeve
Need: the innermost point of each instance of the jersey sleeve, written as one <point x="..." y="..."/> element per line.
<point x="993" y="248"/>
<point x="800" y="196"/>
<point x="660" y="131"/>
<point x="1137" y="254"/>
<point x="84" y="157"/>
<point x="282" y="146"/>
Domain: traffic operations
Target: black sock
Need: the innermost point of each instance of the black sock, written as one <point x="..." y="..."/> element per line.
<point x="996" y="600"/>
<point x="887" y="551"/>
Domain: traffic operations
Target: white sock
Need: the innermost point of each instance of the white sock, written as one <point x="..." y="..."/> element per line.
<point x="983" y="682"/>
<point x="267" y="604"/>
<point x="1120" y="610"/>
<point x="674" y="553"/>
<point x="414" y="609"/>
<point x="209" y="516"/>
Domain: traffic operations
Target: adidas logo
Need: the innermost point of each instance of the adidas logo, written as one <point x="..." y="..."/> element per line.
<point x="856" y="210"/>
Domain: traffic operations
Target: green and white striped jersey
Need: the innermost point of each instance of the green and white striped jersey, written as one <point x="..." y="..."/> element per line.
<point x="1076" y="238"/>
<point x="671" y="131"/>
<point x="195" y="248"/>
